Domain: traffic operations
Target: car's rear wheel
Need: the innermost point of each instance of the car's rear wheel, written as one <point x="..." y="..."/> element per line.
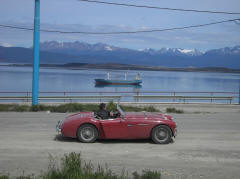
<point x="87" y="133"/>
<point x="161" y="134"/>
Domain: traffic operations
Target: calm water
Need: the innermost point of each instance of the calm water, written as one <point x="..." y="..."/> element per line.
<point x="20" y="79"/>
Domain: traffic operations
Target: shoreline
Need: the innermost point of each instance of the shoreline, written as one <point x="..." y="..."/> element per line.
<point x="85" y="66"/>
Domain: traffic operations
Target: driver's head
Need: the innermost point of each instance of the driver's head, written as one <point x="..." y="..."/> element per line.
<point x="102" y="106"/>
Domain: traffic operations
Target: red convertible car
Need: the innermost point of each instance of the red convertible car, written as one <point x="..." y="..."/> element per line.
<point x="88" y="127"/>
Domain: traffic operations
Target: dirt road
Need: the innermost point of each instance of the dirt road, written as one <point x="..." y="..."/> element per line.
<point x="207" y="146"/>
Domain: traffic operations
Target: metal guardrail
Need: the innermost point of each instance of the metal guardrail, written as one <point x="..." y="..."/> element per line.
<point x="123" y="96"/>
<point x="184" y="98"/>
<point x="65" y="98"/>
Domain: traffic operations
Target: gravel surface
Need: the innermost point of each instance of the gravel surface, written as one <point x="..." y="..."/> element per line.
<point x="207" y="145"/>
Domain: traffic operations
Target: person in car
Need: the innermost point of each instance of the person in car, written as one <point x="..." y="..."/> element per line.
<point x="103" y="113"/>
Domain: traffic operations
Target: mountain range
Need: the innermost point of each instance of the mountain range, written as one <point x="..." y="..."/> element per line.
<point x="52" y="52"/>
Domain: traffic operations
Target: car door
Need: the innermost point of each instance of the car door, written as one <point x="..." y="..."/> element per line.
<point x="114" y="128"/>
<point x="138" y="128"/>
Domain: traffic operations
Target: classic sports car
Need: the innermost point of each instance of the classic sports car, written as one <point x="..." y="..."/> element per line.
<point x="87" y="126"/>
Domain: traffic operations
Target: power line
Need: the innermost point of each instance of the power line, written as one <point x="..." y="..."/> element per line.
<point x="120" y="32"/>
<point x="161" y="8"/>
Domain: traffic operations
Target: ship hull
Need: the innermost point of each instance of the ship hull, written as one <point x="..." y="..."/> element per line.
<point x="118" y="82"/>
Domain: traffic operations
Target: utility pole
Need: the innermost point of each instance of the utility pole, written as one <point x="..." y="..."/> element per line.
<point x="36" y="36"/>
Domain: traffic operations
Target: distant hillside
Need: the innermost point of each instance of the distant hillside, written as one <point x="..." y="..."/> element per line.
<point x="25" y="55"/>
<point x="115" y="66"/>
<point x="77" y="52"/>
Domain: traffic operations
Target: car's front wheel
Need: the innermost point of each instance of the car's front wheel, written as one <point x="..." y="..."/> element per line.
<point x="161" y="134"/>
<point x="87" y="133"/>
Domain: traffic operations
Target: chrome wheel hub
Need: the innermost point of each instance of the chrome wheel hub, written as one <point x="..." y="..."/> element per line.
<point x="161" y="134"/>
<point x="87" y="133"/>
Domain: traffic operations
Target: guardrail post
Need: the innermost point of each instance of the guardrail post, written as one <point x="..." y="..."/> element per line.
<point x="100" y="99"/>
<point x="239" y="93"/>
<point x="211" y="96"/>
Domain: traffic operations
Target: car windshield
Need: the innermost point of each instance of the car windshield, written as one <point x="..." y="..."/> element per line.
<point x="120" y="110"/>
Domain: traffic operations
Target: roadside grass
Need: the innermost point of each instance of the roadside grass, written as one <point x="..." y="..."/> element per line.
<point x="19" y="177"/>
<point x="71" y="107"/>
<point x="113" y="107"/>
<point x="14" y="107"/>
<point x="4" y="177"/>
<point x="174" y="110"/>
<point x="139" y="109"/>
<point x="74" y="167"/>
<point x="63" y="108"/>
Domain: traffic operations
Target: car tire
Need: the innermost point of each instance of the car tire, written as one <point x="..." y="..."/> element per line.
<point x="161" y="134"/>
<point x="87" y="133"/>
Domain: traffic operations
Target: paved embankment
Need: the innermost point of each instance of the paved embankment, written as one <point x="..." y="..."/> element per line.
<point x="207" y="145"/>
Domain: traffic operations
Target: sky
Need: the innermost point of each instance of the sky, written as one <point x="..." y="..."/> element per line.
<point x="74" y="15"/>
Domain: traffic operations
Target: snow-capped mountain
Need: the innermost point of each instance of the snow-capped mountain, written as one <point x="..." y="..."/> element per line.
<point x="225" y="51"/>
<point x="55" y="46"/>
<point x="79" y="52"/>
<point x="191" y="52"/>
<point x="170" y="57"/>
<point x="174" y="51"/>
<point x="76" y="46"/>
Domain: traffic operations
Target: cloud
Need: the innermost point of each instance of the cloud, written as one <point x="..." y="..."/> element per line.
<point x="189" y="38"/>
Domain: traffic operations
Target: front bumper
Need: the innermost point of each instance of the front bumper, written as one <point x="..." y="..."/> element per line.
<point x="58" y="126"/>
<point x="175" y="132"/>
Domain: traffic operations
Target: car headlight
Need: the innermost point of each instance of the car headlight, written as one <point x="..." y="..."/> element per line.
<point x="59" y="126"/>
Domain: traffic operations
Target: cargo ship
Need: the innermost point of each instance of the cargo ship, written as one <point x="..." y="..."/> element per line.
<point x="108" y="81"/>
